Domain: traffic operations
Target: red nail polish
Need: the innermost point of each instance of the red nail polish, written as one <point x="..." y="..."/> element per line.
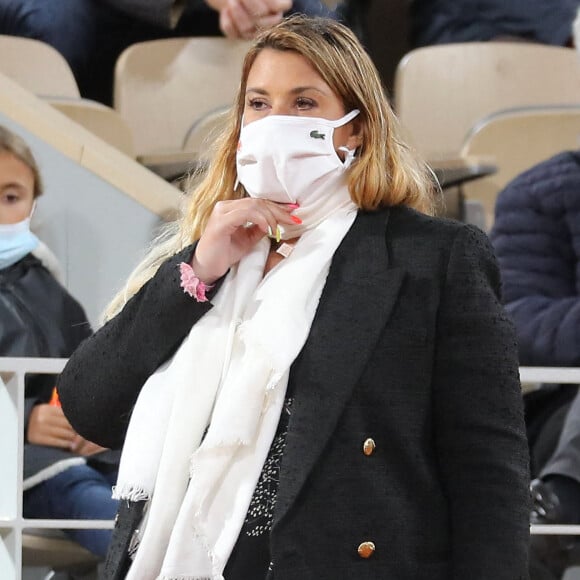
<point x="296" y="219"/>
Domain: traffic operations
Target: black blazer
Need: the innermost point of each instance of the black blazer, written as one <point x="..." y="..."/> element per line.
<point x="409" y="347"/>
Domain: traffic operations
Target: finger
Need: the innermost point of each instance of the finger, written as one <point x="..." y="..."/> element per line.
<point x="58" y="421"/>
<point x="90" y="448"/>
<point x="59" y="432"/>
<point x="77" y="443"/>
<point x="242" y="20"/>
<point x="223" y="207"/>
<point x="51" y="412"/>
<point x="265" y="7"/>
<point x="265" y="214"/>
<point x="240" y="218"/>
<point x="279" y="5"/>
<point x="268" y="219"/>
<point x="227" y="25"/>
<point x="51" y="441"/>
<point x="50" y="438"/>
<point x="256" y="8"/>
<point x="46" y="417"/>
<point x="53" y="417"/>
<point x="283" y="212"/>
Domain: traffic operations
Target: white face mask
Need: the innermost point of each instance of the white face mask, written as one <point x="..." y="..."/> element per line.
<point x="290" y="159"/>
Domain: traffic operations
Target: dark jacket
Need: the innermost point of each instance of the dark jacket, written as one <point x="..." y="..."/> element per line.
<point x="38" y="318"/>
<point x="409" y="346"/>
<point x="536" y="236"/>
<point x="444" y="21"/>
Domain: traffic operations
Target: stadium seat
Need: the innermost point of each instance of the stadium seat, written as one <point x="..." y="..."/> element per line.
<point x="442" y="91"/>
<point x="163" y="87"/>
<point x="518" y="139"/>
<point x="101" y="120"/>
<point x="37" y="66"/>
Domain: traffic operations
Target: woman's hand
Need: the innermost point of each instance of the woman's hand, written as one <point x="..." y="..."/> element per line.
<point x="47" y="425"/>
<point x="243" y="18"/>
<point x="233" y="229"/>
<point x="84" y="447"/>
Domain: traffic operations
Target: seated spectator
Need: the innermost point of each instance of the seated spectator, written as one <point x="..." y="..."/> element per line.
<point x="91" y="34"/>
<point x="537" y="241"/>
<point x="444" y="21"/>
<point x="65" y="476"/>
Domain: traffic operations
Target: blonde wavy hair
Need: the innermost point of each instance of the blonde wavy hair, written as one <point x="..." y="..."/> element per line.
<point x="385" y="173"/>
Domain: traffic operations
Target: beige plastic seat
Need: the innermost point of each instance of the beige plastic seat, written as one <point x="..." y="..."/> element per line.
<point x="518" y="139"/>
<point x="101" y="120"/>
<point x="163" y="87"/>
<point x="204" y="130"/>
<point x="37" y="67"/>
<point x="55" y="551"/>
<point x="442" y="91"/>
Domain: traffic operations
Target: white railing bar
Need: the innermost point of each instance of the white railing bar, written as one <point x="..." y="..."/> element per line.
<point x="527" y="374"/>
<point x="68" y="524"/>
<point x="569" y="375"/>
<point x="555" y="530"/>
<point x="47" y="365"/>
<point x="31" y="365"/>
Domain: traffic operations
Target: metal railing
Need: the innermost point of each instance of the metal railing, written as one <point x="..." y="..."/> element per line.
<point x="13" y="525"/>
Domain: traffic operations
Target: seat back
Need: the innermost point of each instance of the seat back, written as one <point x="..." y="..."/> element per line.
<point x="37" y="66"/>
<point x="101" y="120"/>
<point x="163" y="86"/>
<point x="518" y="139"/>
<point x="51" y="549"/>
<point x="204" y="130"/>
<point x="442" y="91"/>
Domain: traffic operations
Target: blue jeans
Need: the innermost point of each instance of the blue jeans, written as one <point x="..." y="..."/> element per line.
<point x="79" y="492"/>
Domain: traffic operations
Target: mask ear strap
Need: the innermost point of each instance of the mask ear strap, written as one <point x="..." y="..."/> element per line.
<point x="346" y="119"/>
<point x="350" y="154"/>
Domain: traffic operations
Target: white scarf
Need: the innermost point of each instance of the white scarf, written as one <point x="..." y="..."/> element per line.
<point x="231" y="373"/>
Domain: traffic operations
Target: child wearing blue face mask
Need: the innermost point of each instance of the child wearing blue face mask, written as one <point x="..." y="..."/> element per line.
<point x="41" y="319"/>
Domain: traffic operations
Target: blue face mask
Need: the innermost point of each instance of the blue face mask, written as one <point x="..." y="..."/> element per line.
<point x="16" y="240"/>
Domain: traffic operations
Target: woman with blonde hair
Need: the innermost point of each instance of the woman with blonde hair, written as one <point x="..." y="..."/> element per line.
<point x="312" y="376"/>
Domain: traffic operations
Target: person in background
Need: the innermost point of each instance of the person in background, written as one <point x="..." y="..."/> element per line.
<point x="91" y="34"/>
<point x="536" y="237"/>
<point x="315" y="376"/>
<point x="445" y="21"/>
<point x="39" y="318"/>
